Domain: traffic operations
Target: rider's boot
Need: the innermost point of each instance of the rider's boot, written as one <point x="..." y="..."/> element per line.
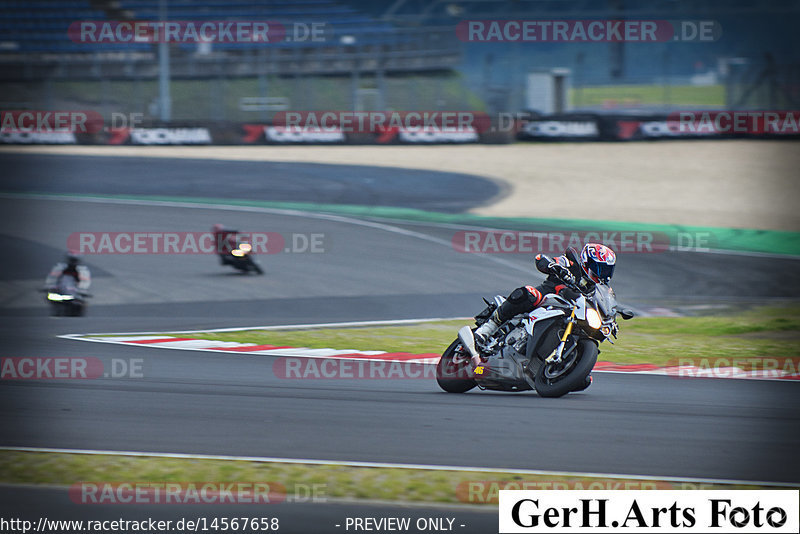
<point x="485" y="331"/>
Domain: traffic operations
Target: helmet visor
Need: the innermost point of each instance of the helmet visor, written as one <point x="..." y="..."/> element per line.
<point x="602" y="271"/>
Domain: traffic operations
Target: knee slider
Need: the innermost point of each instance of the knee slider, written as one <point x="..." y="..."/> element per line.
<point x="525" y="296"/>
<point x="519" y="296"/>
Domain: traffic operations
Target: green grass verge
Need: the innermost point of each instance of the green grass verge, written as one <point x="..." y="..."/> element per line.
<point x="330" y="482"/>
<point x="649" y="95"/>
<point x="198" y="100"/>
<point x="762" y="332"/>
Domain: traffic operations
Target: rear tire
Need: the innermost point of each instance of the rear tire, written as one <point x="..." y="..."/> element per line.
<point x="574" y="377"/>
<point x="451" y="375"/>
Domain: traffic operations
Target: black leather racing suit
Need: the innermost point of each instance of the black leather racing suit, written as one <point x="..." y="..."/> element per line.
<point x="525" y="299"/>
<point x="225" y="241"/>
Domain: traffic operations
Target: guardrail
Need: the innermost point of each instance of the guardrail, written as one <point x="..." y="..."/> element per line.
<point x="519" y="127"/>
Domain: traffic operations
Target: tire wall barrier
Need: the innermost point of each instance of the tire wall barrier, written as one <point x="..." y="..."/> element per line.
<point x="524" y="127"/>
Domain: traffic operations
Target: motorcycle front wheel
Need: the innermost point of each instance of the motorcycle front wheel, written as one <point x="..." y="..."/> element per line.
<point x="558" y="379"/>
<point x="451" y="371"/>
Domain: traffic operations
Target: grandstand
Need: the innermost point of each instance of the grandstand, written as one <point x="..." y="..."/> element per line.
<point x="398" y="54"/>
<point x="354" y="61"/>
<point x="39" y="30"/>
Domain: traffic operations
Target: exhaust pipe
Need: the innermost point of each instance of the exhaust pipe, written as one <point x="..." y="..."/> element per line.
<point x="468" y="340"/>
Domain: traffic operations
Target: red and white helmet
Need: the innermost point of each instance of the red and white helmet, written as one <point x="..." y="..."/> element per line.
<point x="598" y="262"/>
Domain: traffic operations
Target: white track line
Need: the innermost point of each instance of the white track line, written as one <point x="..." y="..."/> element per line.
<point x="276" y="327"/>
<point x="311" y="461"/>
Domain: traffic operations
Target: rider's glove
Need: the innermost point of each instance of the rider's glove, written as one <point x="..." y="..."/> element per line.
<point x="562" y="272"/>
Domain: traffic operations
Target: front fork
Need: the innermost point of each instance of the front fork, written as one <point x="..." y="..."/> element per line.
<point x="555" y="356"/>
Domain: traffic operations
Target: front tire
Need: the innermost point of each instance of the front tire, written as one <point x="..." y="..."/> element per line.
<point x="256" y="267"/>
<point x="451" y="371"/>
<point x="568" y="379"/>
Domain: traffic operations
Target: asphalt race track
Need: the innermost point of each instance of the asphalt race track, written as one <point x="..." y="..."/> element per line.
<point x="199" y="402"/>
<point x="297" y="182"/>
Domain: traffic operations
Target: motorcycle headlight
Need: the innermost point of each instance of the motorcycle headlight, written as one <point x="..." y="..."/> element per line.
<point x="236" y="252"/>
<point x="593" y="318"/>
<point x="245" y="247"/>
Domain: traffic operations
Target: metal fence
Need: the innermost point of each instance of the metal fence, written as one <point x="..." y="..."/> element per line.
<point x="428" y="76"/>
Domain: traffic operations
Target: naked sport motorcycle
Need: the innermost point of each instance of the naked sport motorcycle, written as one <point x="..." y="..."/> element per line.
<point x="241" y="258"/>
<point x="65" y="299"/>
<point x="550" y="350"/>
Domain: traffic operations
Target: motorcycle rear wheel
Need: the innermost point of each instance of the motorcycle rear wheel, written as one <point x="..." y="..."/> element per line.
<point x="451" y="375"/>
<point x="550" y="381"/>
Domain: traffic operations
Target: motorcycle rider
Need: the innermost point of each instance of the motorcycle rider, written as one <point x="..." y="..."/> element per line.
<point x="594" y="265"/>
<point x="225" y="241"/>
<point x="71" y="266"/>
